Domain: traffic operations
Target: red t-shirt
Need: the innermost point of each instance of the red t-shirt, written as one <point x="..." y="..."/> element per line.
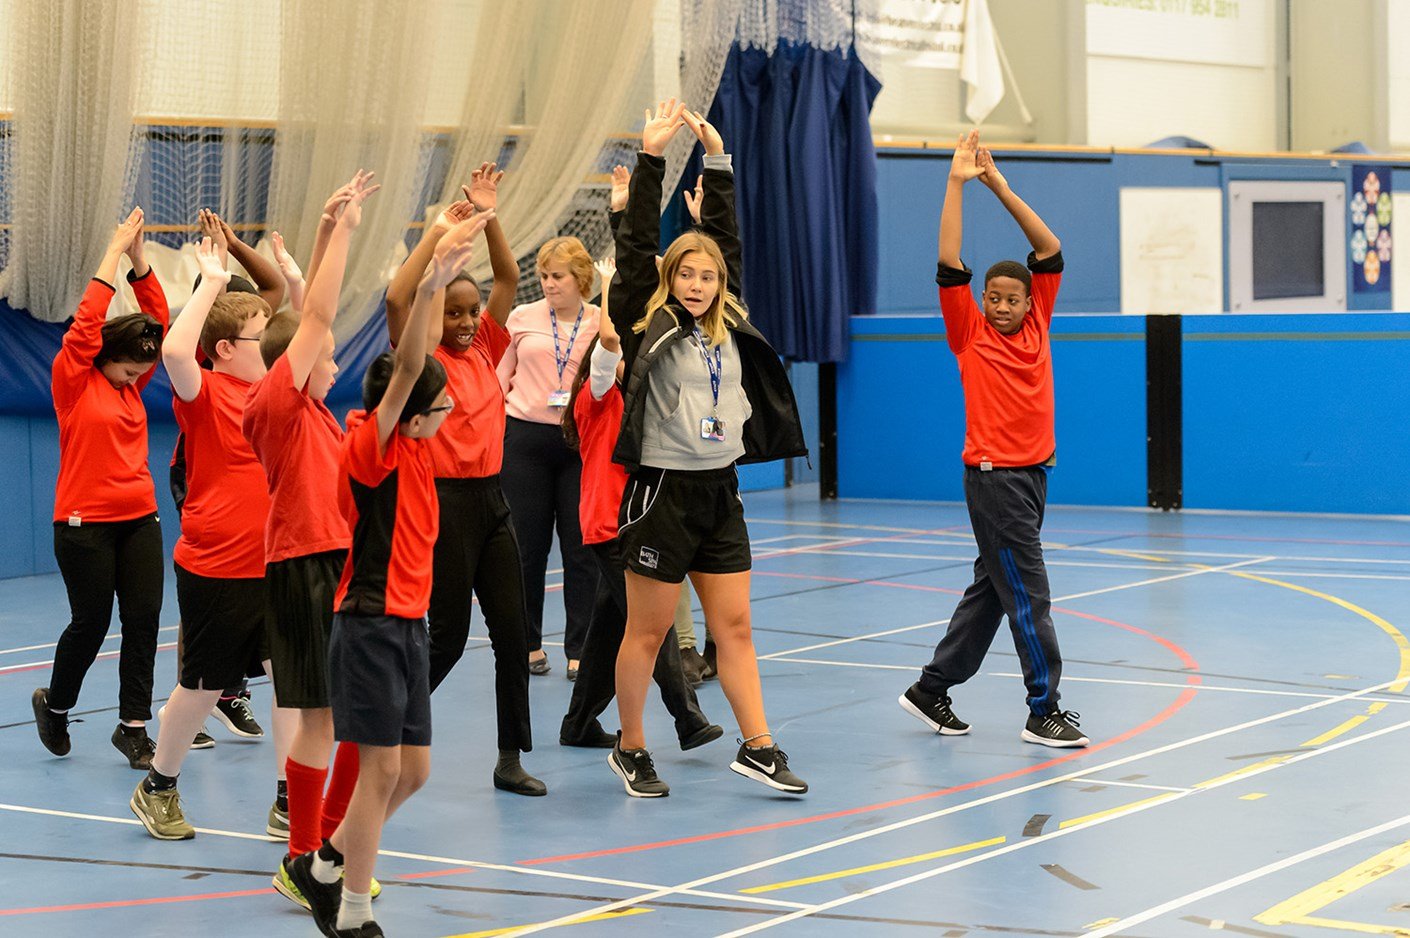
<point x="470" y="444"/>
<point x="103" y="474"/>
<point x="1007" y="379"/>
<point x="227" y="499"/>
<point x="297" y="440"/>
<point x="599" y="425"/>
<point x="389" y="501"/>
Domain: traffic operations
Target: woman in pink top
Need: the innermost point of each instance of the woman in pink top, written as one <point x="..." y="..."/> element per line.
<point x="541" y="474"/>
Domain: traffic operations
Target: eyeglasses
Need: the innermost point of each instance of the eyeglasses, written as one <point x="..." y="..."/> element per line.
<point x="248" y="338"/>
<point x="445" y="408"/>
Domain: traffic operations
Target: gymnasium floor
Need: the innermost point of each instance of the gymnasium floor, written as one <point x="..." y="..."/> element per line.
<point x="1242" y="677"/>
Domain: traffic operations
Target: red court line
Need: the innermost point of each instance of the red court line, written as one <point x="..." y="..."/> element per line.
<point x="128" y="903"/>
<point x="431" y="874"/>
<point x="1186" y="695"/>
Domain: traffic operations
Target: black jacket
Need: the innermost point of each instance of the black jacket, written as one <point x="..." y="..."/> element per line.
<point x="774" y="431"/>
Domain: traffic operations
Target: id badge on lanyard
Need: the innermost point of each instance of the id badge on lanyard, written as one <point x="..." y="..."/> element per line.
<point x="559" y="398"/>
<point x="712" y="428"/>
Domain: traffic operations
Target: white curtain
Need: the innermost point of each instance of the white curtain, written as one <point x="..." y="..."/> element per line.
<point x="72" y="166"/>
<point x="352" y="89"/>
<point x="574" y="68"/>
<point x="708" y="29"/>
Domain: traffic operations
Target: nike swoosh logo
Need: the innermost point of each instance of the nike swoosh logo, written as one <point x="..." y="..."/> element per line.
<point x="631" y="776"/>
<point x="771" y="768"/>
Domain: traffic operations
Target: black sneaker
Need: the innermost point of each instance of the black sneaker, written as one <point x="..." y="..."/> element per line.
<point x="693" y="666"/>
<point x="701" y="736"/>
<point x="1057" y="728"/>
<point x="53" y="727"/>
<point x="137" y="746"/>
<point x="323" y="898"/>
<point x="238" y="717"/>
<point x="770" y="766"/>
<point x="933" y="711"/>
<point x="635" y="769"/>
<point x="365" y="930"/>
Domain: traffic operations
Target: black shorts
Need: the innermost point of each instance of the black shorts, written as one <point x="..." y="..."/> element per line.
<point x="673" y="522"/>
<point x="222" y="629"/>
<point x="298" y="620"/>
<point x="380" y="670"/>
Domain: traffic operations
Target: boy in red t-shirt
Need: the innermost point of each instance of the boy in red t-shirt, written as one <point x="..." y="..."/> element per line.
<point x="378" y="653"/>
<point x="1006" y="369"/>
<point x="219" y="558"/>
<point x="298" y="441"/>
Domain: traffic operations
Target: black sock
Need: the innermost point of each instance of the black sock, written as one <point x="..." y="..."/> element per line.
<point x="156" y="781"/>
<point x="132" y="730"/>
<point x="329" y="854"/>
<point x="281" y="791"/>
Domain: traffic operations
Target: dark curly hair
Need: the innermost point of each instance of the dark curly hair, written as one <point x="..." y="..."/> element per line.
<point x="135" y="338"/>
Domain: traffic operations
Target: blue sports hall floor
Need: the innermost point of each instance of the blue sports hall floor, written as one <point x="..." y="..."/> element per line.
<point x="1243" y="679"/>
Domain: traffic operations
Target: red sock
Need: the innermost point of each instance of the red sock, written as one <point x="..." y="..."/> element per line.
<point x="305" y="806"/>
<point x="340" y="788"/>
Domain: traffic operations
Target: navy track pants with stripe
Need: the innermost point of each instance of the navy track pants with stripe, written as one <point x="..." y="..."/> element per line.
<point x="1010" y="579"/>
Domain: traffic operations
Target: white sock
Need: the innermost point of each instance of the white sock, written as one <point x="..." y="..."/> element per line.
<point x="324" y="871"/>
<point x="355" y="910"/>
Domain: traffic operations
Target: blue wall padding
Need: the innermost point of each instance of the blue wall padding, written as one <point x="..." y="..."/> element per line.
<point x="901" y="411"/>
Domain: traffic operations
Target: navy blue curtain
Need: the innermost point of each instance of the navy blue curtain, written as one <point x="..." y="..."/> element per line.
<point x="798" y="123"/>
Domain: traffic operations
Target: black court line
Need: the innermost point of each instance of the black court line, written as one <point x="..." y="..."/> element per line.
<point x="1034" y="827"/>
<point x="1067" y="876"/>
<point x="1236" y="929"/>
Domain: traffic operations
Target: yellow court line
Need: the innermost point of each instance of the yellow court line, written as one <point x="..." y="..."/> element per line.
<point x="1298" y="910"/>
<point x="1118" y="810"/>
<point x="1220" y="779"/>
<point x="1364" y="928"/>
<point x="1253" y="796"/>
<point x="1335" y="731"/>
<point x="620" y="913"/>
<point x="1136" y="556"/>
<point x="889" y="864"/>
<point x="1403" y="675"/>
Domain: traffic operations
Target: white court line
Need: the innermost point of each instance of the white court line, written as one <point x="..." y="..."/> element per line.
<point x="1058" y="599"/>
<point x="1101" y="680"/>
<point x="1138" y="808"/>
<point x="1107" y="781"/>
<point x="1250" y="876"/>
<point x="989" y="799"/>
<point x="107" y="638"/>
<point x="969" y="558"/>
<point x="101" y="656"/>
<point x="449" y="861"/>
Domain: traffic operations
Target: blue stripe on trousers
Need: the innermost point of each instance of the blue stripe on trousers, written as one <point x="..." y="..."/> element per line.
<point x="1024" y="608"/>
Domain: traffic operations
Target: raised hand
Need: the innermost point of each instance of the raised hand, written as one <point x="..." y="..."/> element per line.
<point x="453" y="251"/>
<point x="351" y="215"/>
<point x="483" y="191"/>
<point x="212" y="227"/>
<point x="127" y="230"/>
<point x="452" y="215"/>
<point x="964" y="165"/>
<point x="287" y="265"/>
<point x="212" y="265"/>
<point x="709" y="137"/>
<point x="658" y="131"/>
<point x="606" y="331"/>
<point x="990" y="174"/>
<point x="693" y="199"/>
<point x="333" y="208"/>
<point x="621" y="187"/>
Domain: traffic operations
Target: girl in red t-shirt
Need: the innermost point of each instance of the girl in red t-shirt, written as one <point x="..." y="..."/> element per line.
<point x="107" y="537"/>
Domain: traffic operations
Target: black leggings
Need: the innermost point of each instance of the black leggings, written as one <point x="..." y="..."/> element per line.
<point x="597" y="675"/>
<point x="541" y="483"/>
<point x="476" y="550"/>
<point x="99" y="560"/>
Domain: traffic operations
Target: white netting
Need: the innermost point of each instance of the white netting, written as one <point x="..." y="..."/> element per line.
<point x="69" y="163"/>
<point x="257" y="110"/>
<point x="826" y="24"/>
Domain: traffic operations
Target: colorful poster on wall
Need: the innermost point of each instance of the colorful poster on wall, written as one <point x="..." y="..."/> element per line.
<point x="1370" y="229"/>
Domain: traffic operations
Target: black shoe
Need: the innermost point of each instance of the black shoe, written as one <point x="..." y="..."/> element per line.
<point x="513" y="778"/>
<point x="137" y="746"/>
<point x="238" y="717"/>
<point x="706" y="734"/>
<point x="635" y="769"/>
<point x="365" y="930"/>
<point x="693" y="666"/>
<point x="1056" y="728"/>
<point x="53" y="727"/>
<point x="323" y="898"/>
<point x="540" y="665"/>
<point x="711" y="669"/>
<point x="770" y="766"/>
<point x="572" y="672"/>
<point x="933" y="711"/>
<point x="594" y="738"/>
